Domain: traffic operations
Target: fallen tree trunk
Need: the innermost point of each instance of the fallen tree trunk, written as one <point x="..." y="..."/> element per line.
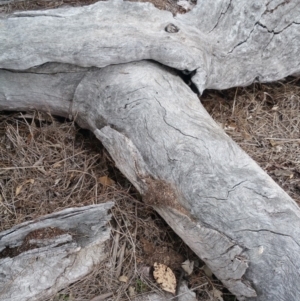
<point x="230" y="212"/>
<point x="210" y="192"/>
<point x="227" y="43"/>
<point x="40" y="257"/>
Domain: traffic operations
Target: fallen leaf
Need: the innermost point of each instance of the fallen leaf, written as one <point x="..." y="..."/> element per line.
<point x="188" y="266"/>
<point x="19" y="188"/>
<point x="123" y="278"/>
<point x="165" y="277"/>
<point x="131" y="291"/>
<point x="106" y="181"/>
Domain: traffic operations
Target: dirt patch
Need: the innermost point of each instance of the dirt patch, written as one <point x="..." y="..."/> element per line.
<point x="162" y="194"/>
<point x="40" y="234"/>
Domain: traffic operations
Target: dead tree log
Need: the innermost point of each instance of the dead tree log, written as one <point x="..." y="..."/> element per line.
<point x="229" y="211"/>
<point x="210" y="192"/>
<point x="227" y="43"/>
<point x="40" y="257"/>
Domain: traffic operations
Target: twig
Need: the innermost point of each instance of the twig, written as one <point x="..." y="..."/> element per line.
<point x="102" y="297"/>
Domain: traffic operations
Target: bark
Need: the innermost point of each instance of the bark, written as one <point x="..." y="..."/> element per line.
<point x="226" y="208"/>
<point x="40" y="257"/>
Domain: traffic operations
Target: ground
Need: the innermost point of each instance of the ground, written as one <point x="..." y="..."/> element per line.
<point x="48" y="163"/>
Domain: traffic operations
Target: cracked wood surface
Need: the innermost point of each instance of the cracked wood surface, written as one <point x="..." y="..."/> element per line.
<point x="229" y="43"/>
<point x="233" y="215"/>
<point x="239" y="219"/>
<point x="48" y="264"/>
<point x="214" y="196"/>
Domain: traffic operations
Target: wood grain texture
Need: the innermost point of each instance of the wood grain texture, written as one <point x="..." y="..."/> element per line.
<point x="239" y="221"/>
<point x="221" y="203"/>
<point x="106" y="33"/>
<point x="262" y="34"/>
<point x="71" y="63"/>
<point x="48" y="88"/>
<point x="228" y="43"/>
<point x="51" y="263"/>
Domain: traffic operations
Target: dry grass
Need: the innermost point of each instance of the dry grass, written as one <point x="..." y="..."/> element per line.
<point x="169" y="5"/>
<point x="47" y="165"/>
<point x="265" y="121"/>
<point x="44" y="169"/>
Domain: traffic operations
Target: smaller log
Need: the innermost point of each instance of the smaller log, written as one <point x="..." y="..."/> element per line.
<point x="40" y="257"/>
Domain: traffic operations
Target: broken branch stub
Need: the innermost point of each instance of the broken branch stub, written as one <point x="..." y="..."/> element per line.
<point x="40" y="257"/>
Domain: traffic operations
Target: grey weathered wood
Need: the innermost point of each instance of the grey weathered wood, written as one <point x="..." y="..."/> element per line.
<point x="225" y="207"/>
<point x="228" y="43"/>
<point x="5" y="2"/>
<point x="184" y="294"/>
<point x="212" y="194"/>
<point x="55" y="262"/>
<point x="262" y="34"/>
<point x="39" y="89"/>
<point x="221" y="203"/>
